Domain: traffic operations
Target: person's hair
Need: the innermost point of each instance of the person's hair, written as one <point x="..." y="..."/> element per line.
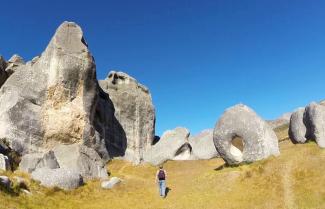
<point x="160" y="167"/>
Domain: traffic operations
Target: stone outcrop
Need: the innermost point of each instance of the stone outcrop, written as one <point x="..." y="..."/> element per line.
<point x="82" y="160"/>
<point x="53" y="98"/>
<point x="59" y="177"/>
<point x="134" y="112"/>
<point x="315" y="123"/>
<point x="308" y="124"/>
<point x="297" y="128"/>
<point x="259" y="140"/>
<point x="173" y="145"/>
<point x="203" y="145"/>
<point x="31" y="162"/>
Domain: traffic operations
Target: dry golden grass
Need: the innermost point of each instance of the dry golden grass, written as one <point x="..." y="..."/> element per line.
<point x="293" y="180"/>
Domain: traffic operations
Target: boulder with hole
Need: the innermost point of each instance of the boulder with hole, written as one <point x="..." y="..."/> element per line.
<point x="259" y="140"/>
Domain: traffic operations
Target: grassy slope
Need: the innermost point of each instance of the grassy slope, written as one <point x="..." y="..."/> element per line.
<point x="295" y="179"/>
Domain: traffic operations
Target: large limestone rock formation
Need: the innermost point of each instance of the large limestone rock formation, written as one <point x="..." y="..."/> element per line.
<point x="134" y="112"/>
<point x="297" y="128"/>
<point x="173" y="145"/>
<point x="203" y="146"/>
<point x="52" y="99"/>
<point x="315" y="122"/>
<point x="259" y="140"/>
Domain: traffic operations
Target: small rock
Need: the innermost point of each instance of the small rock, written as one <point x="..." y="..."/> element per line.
<point x="111" y="183"/>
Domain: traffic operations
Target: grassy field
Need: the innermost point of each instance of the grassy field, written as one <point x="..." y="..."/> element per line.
<point x="293" y="180"/>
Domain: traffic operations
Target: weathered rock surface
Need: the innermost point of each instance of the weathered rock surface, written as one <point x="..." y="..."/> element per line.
<point x="82" y="160"/>
<point x="4" y="162"/>
<point x="315" y="123"/>
<point x="59" y="177"/>
<point x="110" y="183"/>
<point x="53" y="98"/>
<point x="3" y="74"/>
<point x="173" y="145"/>
<point x="259" y="140"/>
<point x="134" y="112"/>
<point x="297" y="128"/>
<point x="32" y="161"/>
<point x="13" y="64"/>
<point x="203" y="145"/>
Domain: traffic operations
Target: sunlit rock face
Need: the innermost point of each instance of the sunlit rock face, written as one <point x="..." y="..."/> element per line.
<point x="52" y="98"/>
<point x="134" y="113"/>
<point x="259" y="140"/>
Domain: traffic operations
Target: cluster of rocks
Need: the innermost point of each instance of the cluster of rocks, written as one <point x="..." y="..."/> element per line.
<point x="308" y="124"/>
<point x="66" y="125"/>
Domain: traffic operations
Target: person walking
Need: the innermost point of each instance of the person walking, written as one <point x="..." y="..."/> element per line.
<point x="161" y="176"/>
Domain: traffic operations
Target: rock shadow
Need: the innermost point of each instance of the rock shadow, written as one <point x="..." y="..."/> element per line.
<point x="108" y="128"/>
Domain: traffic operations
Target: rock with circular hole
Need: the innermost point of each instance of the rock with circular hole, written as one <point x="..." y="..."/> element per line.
<point x="259" y="140"/>
<point x="134" y="113"/>
<point x="315" y="123"/>
<point x="297" y="128"/>
<point x="173" y="145"/>
<point x="203" y="146"/>
<point x="110" y="183"/>
<point x="59" y="177"/>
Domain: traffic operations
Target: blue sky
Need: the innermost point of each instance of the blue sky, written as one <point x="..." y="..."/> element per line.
<point x="197" y="57"/>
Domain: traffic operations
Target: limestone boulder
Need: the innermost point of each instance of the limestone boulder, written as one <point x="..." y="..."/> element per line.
<point x="297" y="128"/>
<point x="315" y="123"/>
<point x="60" y="177"/>
<point x="134" y="113"/>
<point x="173" y="145"/>
<point x="53" y="98"/>
<point x="32" y="161"/>
<point x="81" y="159"/>
<point x="203" y="145"/>
<point x="110" y="183"/>
<point x="284" y="119"/>
<point x="258" y="138"/>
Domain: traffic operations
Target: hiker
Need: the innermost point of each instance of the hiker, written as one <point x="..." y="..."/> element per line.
<point x="161" y="180"/>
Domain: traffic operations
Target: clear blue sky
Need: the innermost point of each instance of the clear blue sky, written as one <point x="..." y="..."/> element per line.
<point x="197" y="57"/>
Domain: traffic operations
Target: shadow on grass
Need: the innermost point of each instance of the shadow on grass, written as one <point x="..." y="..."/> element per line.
<point x="167" y="191"/>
